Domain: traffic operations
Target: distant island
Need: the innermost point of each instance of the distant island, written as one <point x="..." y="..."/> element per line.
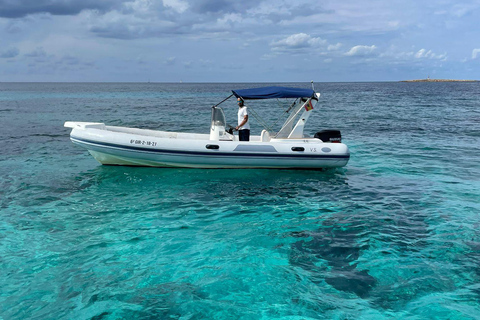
<point x="438" y="80"/>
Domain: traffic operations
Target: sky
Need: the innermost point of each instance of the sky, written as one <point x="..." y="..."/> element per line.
<point x="238" y="40"/>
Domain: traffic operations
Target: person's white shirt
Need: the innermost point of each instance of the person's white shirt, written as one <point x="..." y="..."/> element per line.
<point x="242" y="112"/>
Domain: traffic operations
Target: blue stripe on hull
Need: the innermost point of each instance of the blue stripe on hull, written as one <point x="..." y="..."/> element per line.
<point x="209" y="154"/>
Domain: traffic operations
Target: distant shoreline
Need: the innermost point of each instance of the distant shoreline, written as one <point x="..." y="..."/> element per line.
<point x="438" y="80"/>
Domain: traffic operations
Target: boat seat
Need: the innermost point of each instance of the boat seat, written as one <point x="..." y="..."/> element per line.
<point x="265" y="136"/>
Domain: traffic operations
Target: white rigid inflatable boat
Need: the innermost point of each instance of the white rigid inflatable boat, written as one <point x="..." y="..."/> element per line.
<point x="288" y="148"/>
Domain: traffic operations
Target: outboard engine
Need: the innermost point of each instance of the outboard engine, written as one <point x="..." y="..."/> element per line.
<point x="333" y="136"/>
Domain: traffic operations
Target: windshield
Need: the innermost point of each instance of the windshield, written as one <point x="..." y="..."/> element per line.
<point x="218" y="117"/>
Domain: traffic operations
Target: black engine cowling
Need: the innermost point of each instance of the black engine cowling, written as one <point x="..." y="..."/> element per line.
<point x="333" y="136"/>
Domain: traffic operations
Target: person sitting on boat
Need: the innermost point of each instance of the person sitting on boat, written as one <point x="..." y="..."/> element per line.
<point x="243" y="127"/>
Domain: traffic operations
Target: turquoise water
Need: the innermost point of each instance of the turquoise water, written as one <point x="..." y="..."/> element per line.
<point x="394" y="235"/>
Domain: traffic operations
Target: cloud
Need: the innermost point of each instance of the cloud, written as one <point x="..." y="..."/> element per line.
<point x="206" y="63"/>
<point x="424" y="54"/>
<point x="267" y="57"/>
<point x="297" y="41"/>
<point x="137" y="24"/>
<point x="71" y="62"/>
<point x="177" y="5"/>
<point x="284" y="11"/>
<point x="334" y="47"/>
<point x="22" y="8"/>
<point x="399" y="56"/>
<point x="40" y="60"/>
<point x="37" y="53"/>
<point x="9" y="53"/>
<point x="460" y="10"/>
<point x="170" y="61"/>
<point x="198" y="18"/>
<point x="475" y="53"/>
<point x="137" y="19"/>
<point x="17" y="25"/>
<point x="149" y="19"/>
<point x="221" y="6"/>
<point x="361" y="50"/>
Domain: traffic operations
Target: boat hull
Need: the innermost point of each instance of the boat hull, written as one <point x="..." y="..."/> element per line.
<point x="137" y="147"/>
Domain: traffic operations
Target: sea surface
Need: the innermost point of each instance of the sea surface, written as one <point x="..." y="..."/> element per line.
<point x="393" y="235"/>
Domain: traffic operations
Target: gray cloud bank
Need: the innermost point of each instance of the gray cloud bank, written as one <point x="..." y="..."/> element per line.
<point x="22" y="8"/>
<point x="347" y="37"/>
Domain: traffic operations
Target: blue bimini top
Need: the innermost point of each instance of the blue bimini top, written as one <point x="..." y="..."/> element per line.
<point x="273" y="93"/>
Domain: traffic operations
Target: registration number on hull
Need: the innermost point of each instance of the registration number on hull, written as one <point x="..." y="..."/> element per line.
<point x="143" y="143"/>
